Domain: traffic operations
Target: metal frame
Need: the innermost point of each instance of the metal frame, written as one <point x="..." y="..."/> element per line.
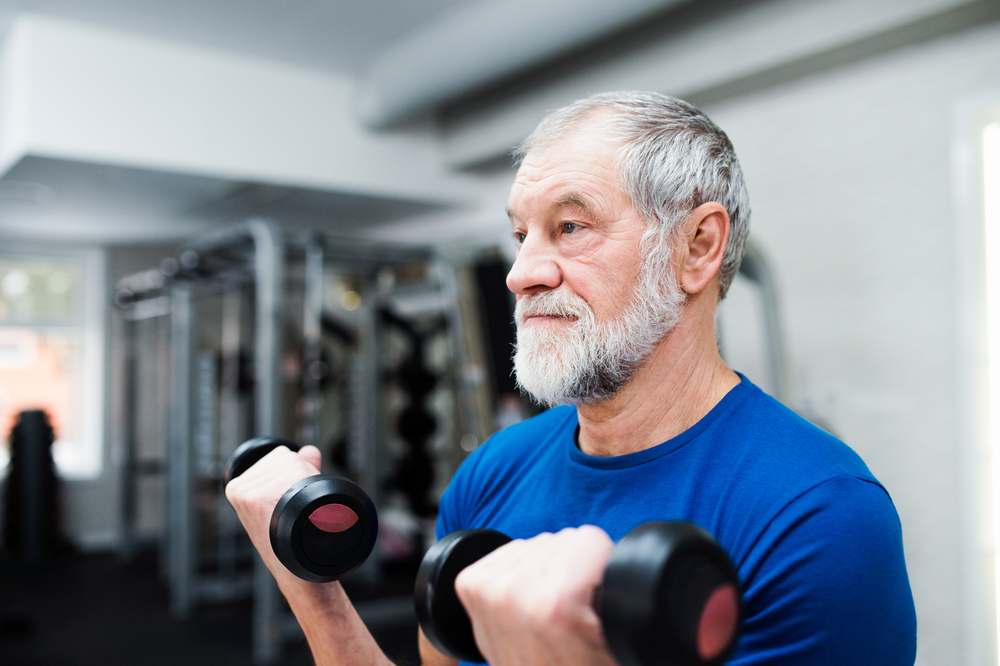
<point x="755" y="268"/>
<point x="255" y="255"/>
<point x="269" y="265"/>
<point x="179" y="478"/>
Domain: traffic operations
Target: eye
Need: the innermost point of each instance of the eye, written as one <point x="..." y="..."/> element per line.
<point x="570" y="227"/>
<point x="519" y="236"/>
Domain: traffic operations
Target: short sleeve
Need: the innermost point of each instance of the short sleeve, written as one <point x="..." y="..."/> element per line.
<point x="826" y="583"/>
<point x="448" y="512"/>
<point x="458" y="499"/>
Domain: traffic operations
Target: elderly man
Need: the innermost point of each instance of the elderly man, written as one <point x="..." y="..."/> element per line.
<point x="630" y="214"/>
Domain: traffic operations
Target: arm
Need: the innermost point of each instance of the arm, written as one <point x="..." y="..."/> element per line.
<point x="336" y="635"/>
<point x="429" y="655"/>
<point x="826" y="583"/>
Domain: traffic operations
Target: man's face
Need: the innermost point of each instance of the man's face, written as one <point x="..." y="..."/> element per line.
<point x="588" y="314"/>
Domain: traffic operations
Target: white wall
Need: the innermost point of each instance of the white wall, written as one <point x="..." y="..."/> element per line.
<point x="850" y="180"/>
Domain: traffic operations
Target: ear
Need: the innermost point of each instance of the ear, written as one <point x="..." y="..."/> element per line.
<point x="703" y="242"/>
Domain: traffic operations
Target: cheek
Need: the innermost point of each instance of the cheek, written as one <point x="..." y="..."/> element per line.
<point x="608" y="289"/>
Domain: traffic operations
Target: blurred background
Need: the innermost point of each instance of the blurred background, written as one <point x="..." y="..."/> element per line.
<point x="220" y="219"/>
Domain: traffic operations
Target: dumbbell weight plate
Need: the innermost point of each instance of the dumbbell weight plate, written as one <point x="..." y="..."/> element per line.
<point x="670" y="596"/>
<point x="323" y="528"/>
<point x="441" y="614"/>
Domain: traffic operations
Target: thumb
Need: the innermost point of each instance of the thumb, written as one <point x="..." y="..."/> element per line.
<point x="312" y="456"/>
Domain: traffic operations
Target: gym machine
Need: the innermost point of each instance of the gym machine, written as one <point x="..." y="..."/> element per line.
<point x="234" y="338"/>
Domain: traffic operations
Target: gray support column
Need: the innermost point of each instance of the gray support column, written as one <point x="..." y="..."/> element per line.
<point x="229" y="527"/>
<point x="311" y="326"/>
<point x="366" y="421"/>
<point x="127" y="508"/>
<point x="164" y="409"/>
<point x="269" y="271"/>
<point x="179" y="509"/>
<point x="448" y="280"/>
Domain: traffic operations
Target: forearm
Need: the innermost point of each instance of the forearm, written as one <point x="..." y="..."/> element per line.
<point x="335" y="632"/>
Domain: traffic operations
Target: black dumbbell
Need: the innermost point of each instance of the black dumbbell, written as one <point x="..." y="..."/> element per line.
<point x="670" y="596"/>
<point x="323" y="527"/>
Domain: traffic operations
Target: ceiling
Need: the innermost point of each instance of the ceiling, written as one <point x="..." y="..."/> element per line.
<point x="332" y="35"/>
<point x="55" y="199"/>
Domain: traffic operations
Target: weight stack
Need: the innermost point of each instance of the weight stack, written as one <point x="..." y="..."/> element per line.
<point x="31" y="507"/>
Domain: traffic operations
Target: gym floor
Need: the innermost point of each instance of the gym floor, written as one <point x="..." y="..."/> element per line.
<point x="93" y="610"/>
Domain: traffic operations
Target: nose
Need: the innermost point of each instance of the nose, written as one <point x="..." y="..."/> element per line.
<point x="535" y="269"/>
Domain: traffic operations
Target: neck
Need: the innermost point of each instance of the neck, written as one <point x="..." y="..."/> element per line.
<point x="681" y="382"/>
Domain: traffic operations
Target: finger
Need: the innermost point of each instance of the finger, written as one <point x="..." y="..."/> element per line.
<point x="279" y="462"/>
<point x="272" y="475"/>
<point x="312" y="455"/>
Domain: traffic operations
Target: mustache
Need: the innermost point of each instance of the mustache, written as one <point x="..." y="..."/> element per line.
<point x="551" y="304"/>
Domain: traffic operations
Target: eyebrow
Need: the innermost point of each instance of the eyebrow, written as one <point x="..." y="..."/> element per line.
<point x="576" y="201"/>
<point x="571" y="199"/>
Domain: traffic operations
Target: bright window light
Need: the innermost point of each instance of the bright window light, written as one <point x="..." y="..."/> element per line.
<point x="991" y="190"/>
<point x="50" y="354"/>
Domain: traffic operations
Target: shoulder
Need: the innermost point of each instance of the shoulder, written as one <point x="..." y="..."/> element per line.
<point x="776" y="452"/>
<point x="768" y="464"/>
<point x="774" y="431"/>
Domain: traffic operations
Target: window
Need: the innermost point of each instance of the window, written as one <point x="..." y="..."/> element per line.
<point x="991" y="219"/>
<point x="51" y="331"/>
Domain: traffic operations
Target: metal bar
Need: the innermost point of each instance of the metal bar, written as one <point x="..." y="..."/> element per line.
<point x="179" y="505"/>
<point x="129" y="428"/>
<point x="467" y="407"/>
<point x="755" y="268"/>
<point x="269" y="265"/>
<point x="229" y="422"/>
<point x="148" y="308"/>
<point x="206" y="390"/>
<point x="163" y="401"/>
<point x="365" y="422"/>
<point x="312" y="316"/>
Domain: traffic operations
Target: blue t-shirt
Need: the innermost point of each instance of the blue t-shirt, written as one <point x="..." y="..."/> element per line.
<point x="814" y="537"/>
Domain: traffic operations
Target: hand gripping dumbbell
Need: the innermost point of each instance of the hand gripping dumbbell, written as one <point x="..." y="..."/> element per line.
<point x="323" y="527"/>
<point x="669" y="597"/>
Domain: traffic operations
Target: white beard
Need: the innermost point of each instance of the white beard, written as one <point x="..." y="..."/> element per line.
<point x="589" y="360"/>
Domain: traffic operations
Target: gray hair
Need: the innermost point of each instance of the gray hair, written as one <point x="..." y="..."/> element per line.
<point x="673" y="159"/>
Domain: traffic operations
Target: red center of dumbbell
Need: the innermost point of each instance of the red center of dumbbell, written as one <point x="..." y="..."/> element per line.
<point x="333" y="517"/>
<point x="718" y="621"/>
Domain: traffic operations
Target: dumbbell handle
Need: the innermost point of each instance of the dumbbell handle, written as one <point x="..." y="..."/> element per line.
<point x="249" y="452"/>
